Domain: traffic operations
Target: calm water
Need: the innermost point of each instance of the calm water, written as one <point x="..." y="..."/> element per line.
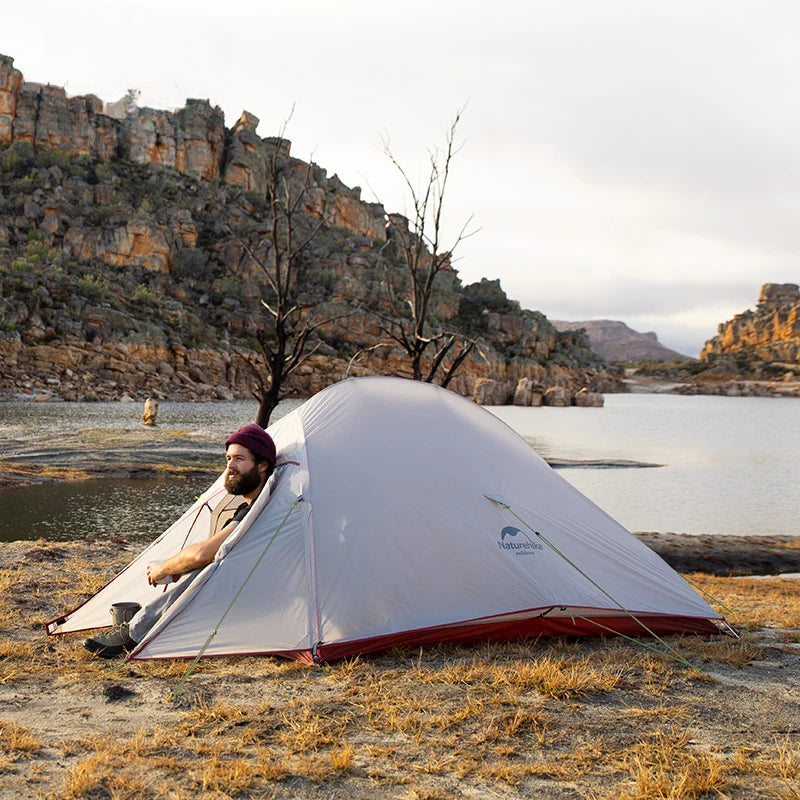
<point x="730" y="465"/>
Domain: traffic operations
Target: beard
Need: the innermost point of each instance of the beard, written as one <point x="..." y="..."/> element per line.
<point x="242" y="482"/>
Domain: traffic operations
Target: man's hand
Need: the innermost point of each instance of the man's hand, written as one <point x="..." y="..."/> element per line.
<point x="156" y="574"/>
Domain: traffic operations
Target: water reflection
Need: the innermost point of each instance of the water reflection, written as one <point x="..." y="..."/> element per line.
<point x="113" y="507"/>
<point x="731" y="463"/>
<point x="73" y="510"/>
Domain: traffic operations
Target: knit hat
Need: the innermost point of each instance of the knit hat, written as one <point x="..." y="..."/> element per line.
<point x="256" y="440"/>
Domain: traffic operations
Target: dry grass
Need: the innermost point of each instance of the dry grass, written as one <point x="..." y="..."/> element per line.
<point x="665" y="766"/>
<point x="756" y="602"/>
<point x="547" y="718"/>
<point x="22" y="474"/>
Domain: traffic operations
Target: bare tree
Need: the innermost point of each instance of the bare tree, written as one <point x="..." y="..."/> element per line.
<point x="434" y="351"/>
<point x="286" y="339"/>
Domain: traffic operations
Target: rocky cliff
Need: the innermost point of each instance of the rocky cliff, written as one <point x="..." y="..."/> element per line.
<point x="615" y="341"/>
<point x="119" y="275"/>
<point x="766" y="336"/>
<point x="756" y="354"/>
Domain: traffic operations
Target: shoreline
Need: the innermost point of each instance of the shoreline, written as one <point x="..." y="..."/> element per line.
<point x="92" y="453"/>
<point x="707" y="554"/>
<point x="149" y="453"/>
<point x="724" y="555"/>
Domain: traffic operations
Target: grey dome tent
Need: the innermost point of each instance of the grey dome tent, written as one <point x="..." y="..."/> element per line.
<point x="402" y="514"/>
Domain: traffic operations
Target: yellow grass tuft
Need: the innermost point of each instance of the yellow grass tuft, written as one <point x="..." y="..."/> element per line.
<point x="659" y="713"/>
<point x="728" y="651"/>
<point x="18" y="741"/>
<point x="231" y="778"/>
<point x="306" y="727"/>
<point x="664" y="766"/>
<point x="213" y="720"/>
<point x="772" y="602"/>
<point x="93" y="776"/>
<point x="342" y="757"/>
<point x="561" y="677"/>
<point x="9" y="578"/>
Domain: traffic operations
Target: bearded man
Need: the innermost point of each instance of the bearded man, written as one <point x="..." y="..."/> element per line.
<point x="250" y="455"/>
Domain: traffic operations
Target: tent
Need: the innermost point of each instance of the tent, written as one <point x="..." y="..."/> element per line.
<point x="402" y="514"/>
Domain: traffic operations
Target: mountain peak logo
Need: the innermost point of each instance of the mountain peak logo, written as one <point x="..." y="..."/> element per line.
<point x="518" y="541"/>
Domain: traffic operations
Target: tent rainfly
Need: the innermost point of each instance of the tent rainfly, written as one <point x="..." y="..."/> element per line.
<point x="402" y="514"/>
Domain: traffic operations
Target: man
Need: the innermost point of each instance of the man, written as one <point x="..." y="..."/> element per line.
<point x="250" y="455"/>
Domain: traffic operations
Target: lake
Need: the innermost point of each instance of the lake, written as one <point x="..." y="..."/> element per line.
<point x="729" y="465"/>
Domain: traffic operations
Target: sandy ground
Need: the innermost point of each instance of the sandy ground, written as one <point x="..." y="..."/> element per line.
<point x="88" y="720"/>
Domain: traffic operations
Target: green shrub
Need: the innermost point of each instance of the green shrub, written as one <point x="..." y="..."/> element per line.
<point x="99" y="216"/>
<point x="18" y="159"/>
<point x="103" y="170"/>
<point x="189" y="262"/>
<point x="23" y="185"/>
<point x="53" y="158"/>
<point x="144" y="295"/>
<point x="93" y="288"/>
<point x="258" y="201"/>
<point x="36" y="251"/>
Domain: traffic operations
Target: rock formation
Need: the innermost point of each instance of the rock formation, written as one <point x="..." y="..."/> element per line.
<point x="119" y="275"/>
<point x="757" y="353"/>
<point x="768" y="335"/>
<point x="190" y="140"/>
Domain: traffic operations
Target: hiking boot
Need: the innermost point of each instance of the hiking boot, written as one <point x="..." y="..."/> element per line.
<point x="118" y="640"/>
<point x="112" y="644"/>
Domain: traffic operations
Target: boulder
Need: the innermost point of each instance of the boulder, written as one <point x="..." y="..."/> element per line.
<point x="527" y="393"/>
<point x="558" y="396"/>
<point x="489" y="392"/>
<point x="587" y="399"/>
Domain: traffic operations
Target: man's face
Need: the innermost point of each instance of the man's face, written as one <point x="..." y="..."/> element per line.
<point x="243" y="474"/>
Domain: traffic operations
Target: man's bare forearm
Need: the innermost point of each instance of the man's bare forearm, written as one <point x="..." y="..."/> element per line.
<point x="192" y="557"/>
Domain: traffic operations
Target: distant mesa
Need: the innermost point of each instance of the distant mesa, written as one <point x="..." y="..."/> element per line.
<point x="615" y="341"/>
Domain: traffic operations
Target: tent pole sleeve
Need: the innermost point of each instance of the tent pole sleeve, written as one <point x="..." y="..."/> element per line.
<point x="213" y="633"/>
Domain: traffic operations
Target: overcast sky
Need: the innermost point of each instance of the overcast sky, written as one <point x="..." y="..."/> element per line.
<point x="636" y="160"/>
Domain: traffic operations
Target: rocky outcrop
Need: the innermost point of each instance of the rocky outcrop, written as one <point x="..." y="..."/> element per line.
<point x="112" y="371"/>
<point x="246" y="164"/>
<point x="770" y="334"/>
<point x="10" y="86"/>
<point x="121" y="274"/>
<point x="190" y="140"/>
<point x="615" y="341"/>
<point x="551" y="386"/>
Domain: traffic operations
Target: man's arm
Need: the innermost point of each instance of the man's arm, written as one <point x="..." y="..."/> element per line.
<point x="193" y="556"/>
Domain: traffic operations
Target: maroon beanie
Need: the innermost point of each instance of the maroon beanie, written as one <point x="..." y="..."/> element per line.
<point x="256" y="440"/>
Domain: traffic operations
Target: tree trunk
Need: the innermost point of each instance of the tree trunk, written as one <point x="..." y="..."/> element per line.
<point x="267" y="402"/>
<point x="265" y="409"/>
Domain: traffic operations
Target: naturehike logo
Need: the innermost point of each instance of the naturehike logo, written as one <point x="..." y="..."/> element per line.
<point x="514" y="539"/>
